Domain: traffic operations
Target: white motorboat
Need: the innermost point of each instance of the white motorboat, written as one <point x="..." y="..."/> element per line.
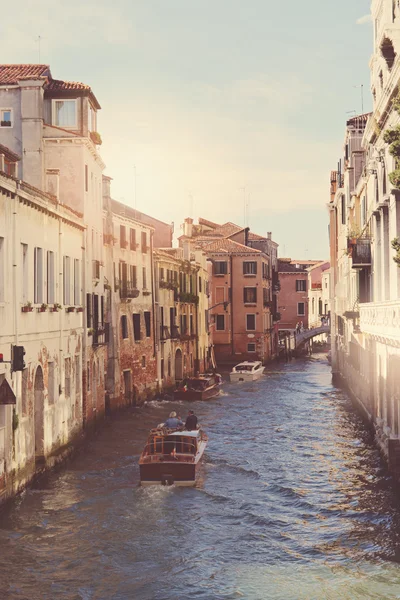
<point x="250" y="370"/>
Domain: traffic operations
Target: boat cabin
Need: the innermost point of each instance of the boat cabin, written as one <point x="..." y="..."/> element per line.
<point x="163" y="447"/>
<point x="247" y="366"/>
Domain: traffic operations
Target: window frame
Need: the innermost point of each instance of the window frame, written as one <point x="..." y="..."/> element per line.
<point x="255" y="321"/>
<point x="53" y="113"/>
<point x="216" y="322"/>
<point x="299" y="284"/>
<point x="4" y="110"/>
<point x="220" y="262"/>
<point x="250" y="262"/>
<point x="248" y="347"/>
<point x="246" y="301"/>
<point x="303" y="314"/>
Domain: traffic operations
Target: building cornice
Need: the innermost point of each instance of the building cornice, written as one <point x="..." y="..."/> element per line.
<point x="84" y="141"/>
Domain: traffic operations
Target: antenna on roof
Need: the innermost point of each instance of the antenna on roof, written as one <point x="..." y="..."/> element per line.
<point x="38" y="40"/>
<point x="243" y="189"/>
<point x="362" y="96"/>
<point x="134" y="185"/>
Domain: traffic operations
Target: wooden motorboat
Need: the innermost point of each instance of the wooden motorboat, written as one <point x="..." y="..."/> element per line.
<point x="202" y="387"/>
<point x="250" y="370"/>
<point x="172" y="457"/>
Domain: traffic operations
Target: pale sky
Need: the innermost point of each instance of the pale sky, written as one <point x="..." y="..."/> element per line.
<point x="207" y="97"/>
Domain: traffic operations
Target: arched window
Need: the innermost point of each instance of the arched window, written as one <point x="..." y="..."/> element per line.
<point x="388" y="52"/>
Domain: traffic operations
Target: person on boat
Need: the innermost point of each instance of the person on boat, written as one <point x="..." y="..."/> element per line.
<point x="173" y="422"/>
<point x="191" y="421"/>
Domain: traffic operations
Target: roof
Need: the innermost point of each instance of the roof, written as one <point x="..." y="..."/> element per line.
<point x="228" y="246"/>
<point x="225" y="230"/>
<point x="11" y="74"/>
<point x="254" y="237"/>
<point x="359" y="121"/>
<point x="56" y="85"/>
<point x="207" y="223"/>
<point x="9" y="154"/>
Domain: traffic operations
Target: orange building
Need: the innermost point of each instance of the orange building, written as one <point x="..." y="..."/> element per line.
<point x="242" y="309"/>
<point x="293" y="296"/>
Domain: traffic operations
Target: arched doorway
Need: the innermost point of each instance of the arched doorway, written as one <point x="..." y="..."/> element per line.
<point x="178" y="365"/>
<point x="39" y="414"/>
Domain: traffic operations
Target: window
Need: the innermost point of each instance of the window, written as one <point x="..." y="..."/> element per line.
<point x="77" y="286"/>
<point x="50" y="278"/>
<point x="147" y="322"/>
<point x="64" y="113"/>
<point x="301" y="309"/>
<point x="183" y="320"/>
<point x="161" y="274"/>
<point x="132" y="239"/>
<point x="220" y="267"/>
<point x="250" y="295"/>
<point x="89" y="310"/>
<point x="143" y="361"/>
<point x="38" y="276"/>
<point x="124" y="327"/>
<point x="122" y="236"/>
<point x="136" y="327"/>
<point x="6" y="117"/>
<point x="249" y="268"/>
<point x="200" y="287"/>
<point x="301" y="285"/>
<point x="191" y="324"/>
<point x="144" y="242"/>
<point x="67" y="280"/>
<point x="144" y="278"/>
<point x="132" y="276"/>
<point x="251" y="347"/>
<point x="220" y="322"/>
<point x="343" y="210"/>
<point x="250" y="322"/>
<point x="25" y="272"/>
<point x="67" y="374"/>
<point x="320" y="307"/>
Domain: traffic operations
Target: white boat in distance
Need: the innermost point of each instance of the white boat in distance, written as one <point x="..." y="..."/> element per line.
<point x="250" y="370"/>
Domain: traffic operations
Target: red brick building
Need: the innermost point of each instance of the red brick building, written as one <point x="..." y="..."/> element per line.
<point x="293" y="296"/>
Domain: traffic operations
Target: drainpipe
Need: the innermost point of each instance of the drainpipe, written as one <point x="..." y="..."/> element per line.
<point x="84" y="339"/>
<point x="153" y="307"/>
<point x="231" y="299"/>
<point x="14" y="263"/>
<point x="196" y="308"/>
<point x="60" y="300"/>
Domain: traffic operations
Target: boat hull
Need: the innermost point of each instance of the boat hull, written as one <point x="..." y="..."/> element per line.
<point x="168" y="473"/>
<point x="235" y="377"/>
<point x="193" y="395"/>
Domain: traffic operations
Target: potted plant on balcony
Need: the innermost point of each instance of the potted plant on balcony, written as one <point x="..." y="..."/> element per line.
<point x="96" y="138"/>
<point x="90" y="331"/>
<point x="55" y="308"/>
<point x="79" y="309"/>
<point x="396" y="246"/>
<point x="27" y="307"/>
<point x="70" y="309"/>
<point x="42" y="307"/>
<point x="6" y="123"/>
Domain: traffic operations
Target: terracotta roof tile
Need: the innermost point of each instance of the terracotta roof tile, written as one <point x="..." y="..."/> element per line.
<point x="207" y="223"/>
<point x="55" y="85"/>
<point x="10" y="74"/>
<point x="9" y="154"/>
<point x="229" y="247"/>
<point x="255" y="236"/>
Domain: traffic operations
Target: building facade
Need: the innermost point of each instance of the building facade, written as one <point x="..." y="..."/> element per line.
<point x="318" y="294"/>
<point x="293" y="296"/>
<point x="364" y="235"/>
<point x="242" y="317"/>
<point x="42" y="255"/>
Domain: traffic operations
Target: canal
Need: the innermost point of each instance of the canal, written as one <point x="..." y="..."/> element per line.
<point x="293" y="503"/>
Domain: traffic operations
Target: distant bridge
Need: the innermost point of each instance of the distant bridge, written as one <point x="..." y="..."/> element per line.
<point x="301" y="338"/>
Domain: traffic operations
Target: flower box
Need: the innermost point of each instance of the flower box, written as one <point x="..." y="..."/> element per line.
<point x="26" y="308"/>
<point x="79" y="309"/>
<point x="70" y="309"/>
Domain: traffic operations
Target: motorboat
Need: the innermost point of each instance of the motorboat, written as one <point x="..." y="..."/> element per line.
<point x="202" y="387"/>
<point x="249" y="370"/>
<point x="172" y="456"/>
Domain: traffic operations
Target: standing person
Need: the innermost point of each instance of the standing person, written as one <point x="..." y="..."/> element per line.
<point x="191" y="421"/>
<point x="297" y="327"/>
<point x="301" y="327"/>
<point x="173" y="422"/>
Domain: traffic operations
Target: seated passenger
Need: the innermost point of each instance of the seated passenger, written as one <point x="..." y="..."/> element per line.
<point x="191" y="421"/>
<point x="173" y="422"/>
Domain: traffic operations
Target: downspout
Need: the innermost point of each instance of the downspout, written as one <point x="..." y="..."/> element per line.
<point x="14" y="263"/>
<point x="153" y="299"/>
<point x="61" y="299"/>
<point x="84" y="339"/>
<point x="232" y="342"/>
<point x="196" y="307"/>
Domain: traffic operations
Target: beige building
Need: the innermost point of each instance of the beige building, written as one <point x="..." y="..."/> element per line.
<point x="182" y="334"/>
<point x="42" y="254"/>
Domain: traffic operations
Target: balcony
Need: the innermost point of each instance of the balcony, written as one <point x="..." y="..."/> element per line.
<point x="174" y="332"/>
<point x="164" y="333"/>
<point x="381" y="319"/>
<point x="127" y="290"/>
<point x="101" y="334"/>
<point x="361" y="253"/>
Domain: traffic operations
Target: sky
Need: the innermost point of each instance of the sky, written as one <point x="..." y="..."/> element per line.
<point x="233" y="110"/>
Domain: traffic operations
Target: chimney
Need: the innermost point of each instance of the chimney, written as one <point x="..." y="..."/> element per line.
<point x="269" y="234"/>
<point x="188" y="227"/>
<point x="53" y="182"/>
<point x="186" y="250"/>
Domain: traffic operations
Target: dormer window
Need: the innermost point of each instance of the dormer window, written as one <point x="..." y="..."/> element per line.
<point x="91" y="118"/>
<point x="65" y="114"/>
<point x="5" y="117"/>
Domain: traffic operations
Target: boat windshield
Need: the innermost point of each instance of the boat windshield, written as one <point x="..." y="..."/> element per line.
<point x="172" y="445"/>
<point x="244" y="367"/>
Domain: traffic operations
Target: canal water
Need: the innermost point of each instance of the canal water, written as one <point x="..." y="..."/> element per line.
<point x="293" y="503"/>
